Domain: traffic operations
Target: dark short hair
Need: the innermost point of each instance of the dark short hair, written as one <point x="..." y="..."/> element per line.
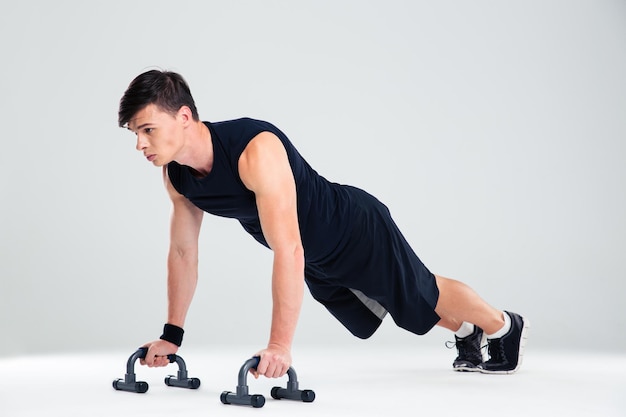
<point x="168" y="90"/>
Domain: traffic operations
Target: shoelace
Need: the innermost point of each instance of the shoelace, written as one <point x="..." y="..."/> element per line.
<point x="451" y="345"/>
<point x="496" y="350"/>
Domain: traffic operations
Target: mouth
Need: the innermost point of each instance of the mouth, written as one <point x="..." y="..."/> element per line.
<point x="150" y="158"/>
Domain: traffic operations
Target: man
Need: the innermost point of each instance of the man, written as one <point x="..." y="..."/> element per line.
<point x="338" y="239"/>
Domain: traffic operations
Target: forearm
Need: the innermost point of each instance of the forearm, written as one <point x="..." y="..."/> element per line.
<point x="287" y="292"/>
<point x="181" y="285"/>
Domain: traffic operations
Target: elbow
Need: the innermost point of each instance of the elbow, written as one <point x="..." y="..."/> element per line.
<point x="299" y="256"/>
<point x="186" y="256"/>
<point x="297" y="253"/>
<point x="291" y="254"/>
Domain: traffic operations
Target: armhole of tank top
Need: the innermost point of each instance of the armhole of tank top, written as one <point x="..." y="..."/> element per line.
<point x="240" y="150"/>
<point x="176" y="173"/>
<point x="234" y="160"/>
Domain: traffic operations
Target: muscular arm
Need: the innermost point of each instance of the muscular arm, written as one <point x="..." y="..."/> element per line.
<point x="264" y="169"/>
<point x="182" y="268"/>
<point x="182" y="260"/>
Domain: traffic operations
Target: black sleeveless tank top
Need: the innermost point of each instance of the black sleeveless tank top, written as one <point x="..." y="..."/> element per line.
<point x="323" y="207"/>
<point x="350" y="240"/>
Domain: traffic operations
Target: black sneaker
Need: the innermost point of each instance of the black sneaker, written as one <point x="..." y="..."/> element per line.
<point x="469" y="349"/>
<point x="505" y="353"/>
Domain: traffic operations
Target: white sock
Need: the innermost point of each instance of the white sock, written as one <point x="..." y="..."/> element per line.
<point x="465" y="330"/>
<point x="504" y="330"/>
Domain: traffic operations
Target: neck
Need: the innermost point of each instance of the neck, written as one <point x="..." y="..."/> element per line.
<point x="198" y="150"/>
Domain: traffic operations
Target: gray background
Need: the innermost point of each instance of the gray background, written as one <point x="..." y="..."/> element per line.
<point x="494" y="131"/>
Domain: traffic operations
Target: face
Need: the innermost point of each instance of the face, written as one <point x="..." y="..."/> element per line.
<point x="159" y="134"/>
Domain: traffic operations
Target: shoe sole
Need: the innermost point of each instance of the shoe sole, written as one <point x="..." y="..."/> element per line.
<point x="466" y="369"/>
<point x="520" y="356"/>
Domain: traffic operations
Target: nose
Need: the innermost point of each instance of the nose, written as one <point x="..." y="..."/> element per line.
<point x="141" y="143"/>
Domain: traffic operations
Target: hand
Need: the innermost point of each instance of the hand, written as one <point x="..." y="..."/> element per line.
<point x="274" y="363"/>
<point x="157" y="353"/>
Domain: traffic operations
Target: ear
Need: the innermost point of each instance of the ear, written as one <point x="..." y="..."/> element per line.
<point x="185" y="115"/>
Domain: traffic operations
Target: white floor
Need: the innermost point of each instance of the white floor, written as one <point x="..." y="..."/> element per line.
<point x="370" y="382"/>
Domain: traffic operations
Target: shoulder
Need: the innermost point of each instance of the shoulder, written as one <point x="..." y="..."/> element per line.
<point x="237" y="135"/>
<point x="171" y="179"/>
<point x="264" y="146"/>
<point x="245" y="126"/>
<point x="264" y="159"/>
<point x="238" y="123"/>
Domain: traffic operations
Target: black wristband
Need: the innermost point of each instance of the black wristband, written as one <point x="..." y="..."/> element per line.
<point x="172" y="334"/>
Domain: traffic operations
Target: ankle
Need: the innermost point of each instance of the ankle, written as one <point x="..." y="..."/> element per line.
<point x="502" y="329"/>
<point x="465" y="330"/>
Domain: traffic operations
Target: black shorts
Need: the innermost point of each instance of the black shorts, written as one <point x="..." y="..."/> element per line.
<point x="375" y="272"/>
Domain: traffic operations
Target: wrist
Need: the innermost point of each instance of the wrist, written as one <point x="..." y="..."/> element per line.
<point x="172" y="334"/>
<point x="279" y="346"/>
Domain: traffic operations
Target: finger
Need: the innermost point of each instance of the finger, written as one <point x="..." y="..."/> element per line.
<point x="280" y="371"/>
<point x="254" y="372"/>
<point x="261" y="368"/>
<point x="271" y="371"/>
<point x="151" y="357"/>
<point x="143" y="360"/>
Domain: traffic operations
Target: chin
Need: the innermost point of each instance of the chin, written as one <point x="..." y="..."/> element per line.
<point x="158" y="163"/>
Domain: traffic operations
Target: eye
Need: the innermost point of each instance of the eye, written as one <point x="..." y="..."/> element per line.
<point x="148" y="130"/>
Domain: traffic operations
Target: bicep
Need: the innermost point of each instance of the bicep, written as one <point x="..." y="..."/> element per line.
<point x="264" y="168"/>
